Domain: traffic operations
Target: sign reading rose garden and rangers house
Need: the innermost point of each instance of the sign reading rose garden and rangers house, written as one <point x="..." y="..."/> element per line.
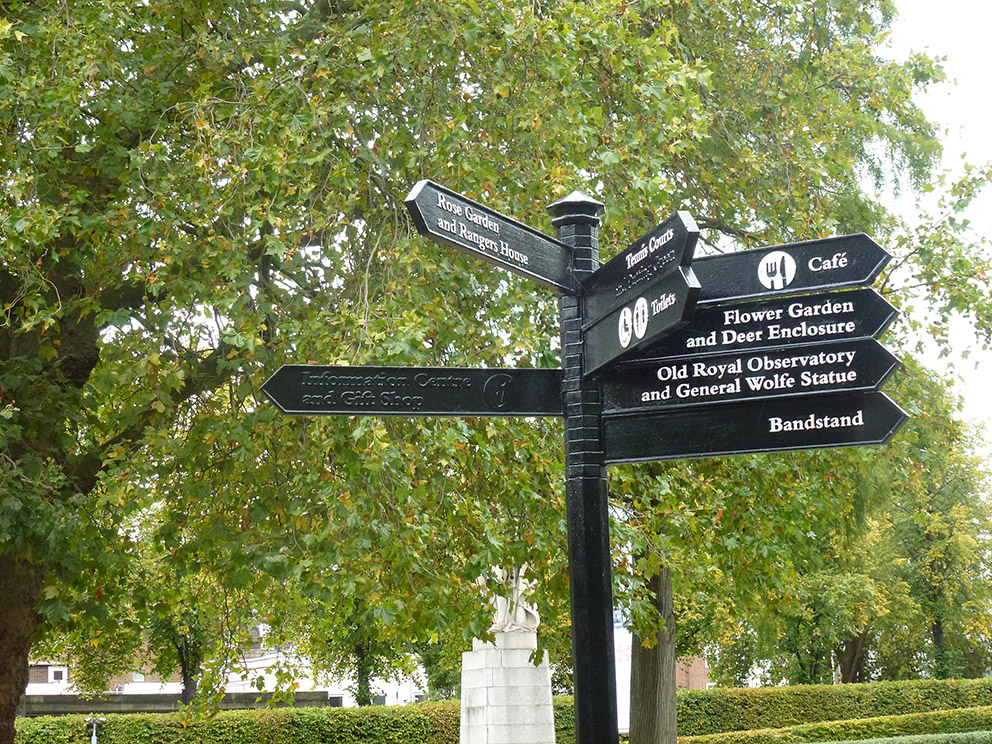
<point x="664" y="356"/>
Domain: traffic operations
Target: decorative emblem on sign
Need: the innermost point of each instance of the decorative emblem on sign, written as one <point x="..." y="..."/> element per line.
<point x="500" y="392"/>
<point x="640" y="317"/>
<point x="777" y="270"/>
<point x="625" y="330"/>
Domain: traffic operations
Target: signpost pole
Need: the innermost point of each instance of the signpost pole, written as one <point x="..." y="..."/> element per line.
<point x="577" y="219"/>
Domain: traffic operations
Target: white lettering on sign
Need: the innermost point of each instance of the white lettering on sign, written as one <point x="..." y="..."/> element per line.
<point x="449" y="206"/>
<point x="738" y="317"/>
<point x="813" y="422"/>
<point x="635" y="258"/>
<point x="830" y="307"/>
<point x="717" y="370"/>
<point x="740" y="337"/>
<point x="809" y="330"/>
<point x="762" y="363"/>
<point x="467" y="231"/>
<point x="470" y="236"/>
<point x="481" y="219"/>
<point x="819" y="263"/>
<point x="655" y="396"/>
<point x="642" y="273"/>
<point x="653" y="244"/>
<point x="772" y="330"/>
<point x="735" y="368"/>
<point x="780" y="381"/>
<point x="685" y="390"/>
<point x="663" y="303"/>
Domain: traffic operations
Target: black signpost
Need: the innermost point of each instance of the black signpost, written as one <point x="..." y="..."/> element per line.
<point x="415" y="391"/>
<point x="640" y="294"/>
<point x="774" y="359"/>
<point x="777" y="425"/>
<point x="831" y="316"/>
<point x="630" y="274"/>
<point x="447" y="217"/>
<point x="784" y="371"/>
<point x="666" y="304"/>
<point x="814" y="265"/>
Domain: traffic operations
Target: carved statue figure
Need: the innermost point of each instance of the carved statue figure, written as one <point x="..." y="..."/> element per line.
<point x="513" y="613"/>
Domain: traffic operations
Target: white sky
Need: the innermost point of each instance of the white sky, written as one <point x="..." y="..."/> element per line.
<point x="960" y="31"/>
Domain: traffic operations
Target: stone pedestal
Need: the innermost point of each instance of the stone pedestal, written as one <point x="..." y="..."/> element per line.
<point x="505" y="698"/>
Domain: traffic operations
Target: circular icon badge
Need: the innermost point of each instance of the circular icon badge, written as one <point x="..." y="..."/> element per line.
<point x="776" y="270"/>
<point x="500" y="392"/>
<point x="640" y="317"/>
<point x="626" y="327"/>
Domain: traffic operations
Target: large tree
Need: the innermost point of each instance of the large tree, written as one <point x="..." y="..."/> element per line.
<point x="195" y="194"/>
<point x="803" y="116"/>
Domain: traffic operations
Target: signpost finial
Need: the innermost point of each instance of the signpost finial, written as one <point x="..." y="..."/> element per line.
<point x="576" y="207"/>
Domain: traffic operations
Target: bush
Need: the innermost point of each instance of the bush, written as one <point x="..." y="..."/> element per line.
<point x="720" y="710"/>
<point x="564" y="720"/>
<point x="434" y="723"/>
<point x="700" y="713"/>
<point x="937" y="722"/>
<point x="970" y="737"/>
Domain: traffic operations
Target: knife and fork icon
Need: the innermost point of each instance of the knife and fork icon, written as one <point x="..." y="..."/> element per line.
<point x="776" y="270"/>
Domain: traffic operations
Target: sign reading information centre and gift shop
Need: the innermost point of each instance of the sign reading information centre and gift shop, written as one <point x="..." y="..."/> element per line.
<point x="664" y="356"/>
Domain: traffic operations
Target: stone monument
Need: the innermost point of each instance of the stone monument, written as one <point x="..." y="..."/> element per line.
<point x="506" y="699"/>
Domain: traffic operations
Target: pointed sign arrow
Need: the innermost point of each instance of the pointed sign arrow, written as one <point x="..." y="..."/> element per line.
<point x="786" y="371"/>
<point x="830" y="316"/>
<point x="779" y="425"/>
<point x="631" y="273"/>
<point x="414" y="391"/>
<point x="452" y="219"/>
<point x="664" y="305"/>
<point x="815" y="265"/>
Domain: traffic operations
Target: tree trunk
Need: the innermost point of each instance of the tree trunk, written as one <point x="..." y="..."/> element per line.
<point x="21" y="584"/>
<point x="852" y="659"/>
<point x="941" y="666"/>
<point x="189" y="652"/>
<point x="363" y="676"/>
<point x="189" y="686"/>
<point x="652" y="674"/>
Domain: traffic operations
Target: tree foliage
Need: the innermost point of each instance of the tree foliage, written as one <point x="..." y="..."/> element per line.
<point x="903" y="591"/>
<point x="197" y="193"/>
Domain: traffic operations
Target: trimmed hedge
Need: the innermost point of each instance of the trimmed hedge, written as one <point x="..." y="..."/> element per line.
<point x="970" y="737"/>
<point x="564" y="720"/>
<point x="715" y="711"/>
<point x="433" y="723"/>
<point x="700" y="713"/>
<point x="936" y="722"/>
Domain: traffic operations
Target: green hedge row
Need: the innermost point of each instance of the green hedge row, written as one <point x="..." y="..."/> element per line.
<point x="715" y="711"/>
<point x="700" y="713"/>
<point x="434" y="723"/>
<point x="970" y="737"/>
<point x="936" y="722"/>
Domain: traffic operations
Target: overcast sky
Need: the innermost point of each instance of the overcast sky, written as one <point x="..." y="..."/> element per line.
<point x="960" y="31"/>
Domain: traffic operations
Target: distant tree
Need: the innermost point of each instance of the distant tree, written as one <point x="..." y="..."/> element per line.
<point x="902" y="590"/>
